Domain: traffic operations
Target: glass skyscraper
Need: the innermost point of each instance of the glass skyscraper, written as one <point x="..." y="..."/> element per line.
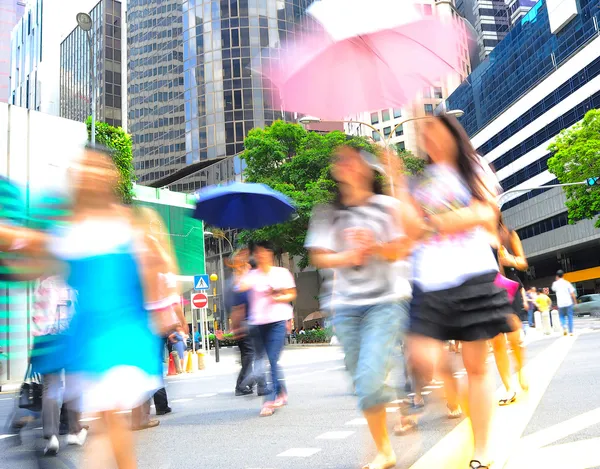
<point x="11" y="11"/>
<point x="155" y="87"/>
<point x="75" y="62"/>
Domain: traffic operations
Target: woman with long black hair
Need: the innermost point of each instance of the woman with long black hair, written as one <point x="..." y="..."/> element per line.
<point x="358" y="238"/>
<point x="454" y="292"/>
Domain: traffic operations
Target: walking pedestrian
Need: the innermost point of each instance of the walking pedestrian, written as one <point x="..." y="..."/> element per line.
<point x="101" y="237"/>
<point x="271" y="290"/>
<point x="449" y="211"/>
<point x="511" y="259"/>
<point x="544" y="304"/>
<point x="566" y="298"/>
<point x="358" y="237"/>
<point x="530" y="298"/>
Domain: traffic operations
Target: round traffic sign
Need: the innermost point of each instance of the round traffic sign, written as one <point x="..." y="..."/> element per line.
<point x="199" y="300"/>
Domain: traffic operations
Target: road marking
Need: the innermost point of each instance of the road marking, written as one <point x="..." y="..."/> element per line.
<point x="456" y="448"/>
<point x="123" y="412"/>
<point x="433" y="386"/>
<point x="181" y="400"/>
<point x="2" y="437"/>
<point x="334" y="435"/>
<point x="577" y="454"/>
<point x="208" y="394"/>
<point x="89" y="419"/>
<point x="359" y="421"/>
<point x="299" y="452"/>
<point x="7" y="399"/>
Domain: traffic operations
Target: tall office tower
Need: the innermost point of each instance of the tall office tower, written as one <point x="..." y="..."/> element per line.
<point x="156" y="116"/>
<point x="10" y="12"/>
<point x="75" y="77"/>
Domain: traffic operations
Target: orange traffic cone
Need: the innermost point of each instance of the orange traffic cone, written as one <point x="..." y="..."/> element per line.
<point x="172" y="369"/>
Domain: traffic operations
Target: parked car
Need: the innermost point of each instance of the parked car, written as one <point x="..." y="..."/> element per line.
<point x="587" y="304"/>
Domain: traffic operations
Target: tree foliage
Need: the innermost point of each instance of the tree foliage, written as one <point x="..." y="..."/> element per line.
<point x="295" y="162"/>
<point x="576" y="157"/>
<point x="116" y="139"/>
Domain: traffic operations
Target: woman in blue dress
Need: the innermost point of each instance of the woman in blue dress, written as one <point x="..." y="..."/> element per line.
<point x="104" y="261"/>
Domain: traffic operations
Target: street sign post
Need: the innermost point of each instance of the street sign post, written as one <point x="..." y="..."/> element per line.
<point x="199" y="300"/>
<point x="201" y="282"/>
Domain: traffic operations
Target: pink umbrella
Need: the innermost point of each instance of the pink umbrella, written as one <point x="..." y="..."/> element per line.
<point x="334" y="73"/>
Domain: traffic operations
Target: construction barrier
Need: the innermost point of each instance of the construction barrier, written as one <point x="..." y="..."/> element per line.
<point x="201" y="365"/>
<point x="556" y="321"/>
<point x="172" y="369"/>
<point x="546" y="326"/>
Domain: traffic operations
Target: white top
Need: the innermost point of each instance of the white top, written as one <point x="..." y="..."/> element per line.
<point x="447" y="261"/>
<point x="378" y="281"/>
<point x="263" y="309"/>
<point x="563" y="290"/>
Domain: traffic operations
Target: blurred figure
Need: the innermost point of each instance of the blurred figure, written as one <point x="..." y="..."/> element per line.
<point x="359" y="238"/>
<point x="530" y="298"/>
<point x="454" y="291"/>
<point x="103" y="261"/>
<point x="53" y="309"/>
<point x="271" y="290"/>
<point x="566" y="298"/>
<point x="544" y="304"/>
<point x="178" y="341"/>
<point x="511" y="258"/>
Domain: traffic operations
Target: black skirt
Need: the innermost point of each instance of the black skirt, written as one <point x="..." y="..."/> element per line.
<point x="475" y="310"/>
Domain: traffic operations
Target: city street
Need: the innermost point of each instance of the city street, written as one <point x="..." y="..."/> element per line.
<point x="557" y="425"/>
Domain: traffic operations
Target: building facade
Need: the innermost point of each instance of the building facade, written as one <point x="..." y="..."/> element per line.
<point x="10" y="13"/>
<point x="156" y="117"/>
<point x="399" y="126"/>
<point x="535" y="84"/>
<point x="75" y="63"/>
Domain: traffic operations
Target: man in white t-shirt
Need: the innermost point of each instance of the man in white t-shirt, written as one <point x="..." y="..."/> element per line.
<point x="565" y="300"/>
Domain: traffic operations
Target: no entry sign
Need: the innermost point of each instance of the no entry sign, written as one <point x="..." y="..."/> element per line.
<point x="199" y="300"/>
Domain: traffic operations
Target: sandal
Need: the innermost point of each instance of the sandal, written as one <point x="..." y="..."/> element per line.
<point x="387" y="464"/>
<point x="509" y="399"/>
<point x="454" y="414"/>
<point x="281" y="400"/>
<point x="267" y="410"/>
<point x="406" y="425"/>
<point x="474" y="464"/>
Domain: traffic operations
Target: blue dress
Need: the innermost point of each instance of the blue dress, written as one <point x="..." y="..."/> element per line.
<point x="110" y="346"/>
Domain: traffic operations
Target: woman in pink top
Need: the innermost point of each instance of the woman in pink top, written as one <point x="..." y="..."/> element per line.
<point x="271" y="290"/>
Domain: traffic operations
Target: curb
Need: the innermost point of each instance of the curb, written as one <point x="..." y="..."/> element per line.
<point x="300" y="346"/>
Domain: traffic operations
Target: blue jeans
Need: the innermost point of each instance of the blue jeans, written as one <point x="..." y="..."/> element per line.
<point x="272" y="337"/>
<point x="368" y="335"/>
<point x="566" y="312"/>
<point x="531" y="317"/>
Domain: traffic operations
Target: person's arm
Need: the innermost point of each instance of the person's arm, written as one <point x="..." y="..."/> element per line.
<point x="573" y="293"/>
<point x="179" y="312"/>
<point x="525" y="300"/>
<point x="25" y="240"/>
<point x="325" y="259"/>
<point x="285" y="287"/>
<point x="284" y="296"/>
<point x="518" y="259"/>
<point x="478" y="214"/>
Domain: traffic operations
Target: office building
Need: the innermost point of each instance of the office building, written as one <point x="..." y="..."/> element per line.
<point x="155" y="87"/>
<point x="542" y="78"/>
<point x="398" y="126"/>
<point x="75" y="63"/>
<point x="10" y="12"/>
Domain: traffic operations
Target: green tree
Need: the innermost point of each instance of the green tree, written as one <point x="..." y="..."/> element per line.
<point x="119" y="142"/>
<point x="576" y="157"/>
<point x="413" y="165"/>
<point x="295" y="162"/>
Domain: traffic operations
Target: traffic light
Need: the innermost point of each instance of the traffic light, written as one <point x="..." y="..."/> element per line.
<point x="595" y="181"/>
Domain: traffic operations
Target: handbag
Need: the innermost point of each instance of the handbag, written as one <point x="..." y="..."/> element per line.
<point x="30" y="394"/>
<point x="510" y="286"/>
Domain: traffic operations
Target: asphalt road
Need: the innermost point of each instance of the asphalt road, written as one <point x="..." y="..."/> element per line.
<point x="555" y="425"/>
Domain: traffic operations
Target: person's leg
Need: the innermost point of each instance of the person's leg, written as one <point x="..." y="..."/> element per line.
<point x="446" y="372"/>
<point x="245" y="347"/>
<point x="161" y="402"/>
<point x="480" y="397"/>
<point x="259" y="373"/>
<point x="379" y="329"/>
<point x="563" y="318"/>
<point x="530" y="317"/>
<point x="570" y="310"/>
<point x="121" y="440"/>
<point x="503" y="364"/>
<point x="140" y="416"/>
<point x="518" y="348"/>
<point x="274" y="339"/>
<point x="50" y="408"/>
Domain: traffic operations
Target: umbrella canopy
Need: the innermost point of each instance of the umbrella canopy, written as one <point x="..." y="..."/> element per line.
<point x="314" y="316"/>
<point x="242" y="205"/>
<point x="354" y="65"/>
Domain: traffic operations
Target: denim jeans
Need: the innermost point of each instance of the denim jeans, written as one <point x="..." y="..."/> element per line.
<point x="531" y="317"/>
<point x="566" y="313"/>
<point x="272" y="337"/>
<point x="368" y="335"/>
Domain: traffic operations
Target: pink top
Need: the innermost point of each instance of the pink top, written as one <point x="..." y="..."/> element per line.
<point x="263" y="310"/>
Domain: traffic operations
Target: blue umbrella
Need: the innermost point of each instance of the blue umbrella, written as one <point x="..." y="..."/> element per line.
<point x="242" y="205"/>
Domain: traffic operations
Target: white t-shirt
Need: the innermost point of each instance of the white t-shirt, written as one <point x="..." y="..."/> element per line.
<point x="563" y="290"/>
<point x="263" y="309"/>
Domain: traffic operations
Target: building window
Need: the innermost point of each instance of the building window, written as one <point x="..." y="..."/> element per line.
<point x="387" y="131"/>
<point x="374" y="118"/>
<point x="428" y="109"/>
<point x="437" y="93"/>
<point x="399" y="131"/>
<point x="385" y="115"/>
<point x="376" y="136"/>
<point x="401" y="146"/>
<point x="397" y="113"/>
<point x="427" y="92"/>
